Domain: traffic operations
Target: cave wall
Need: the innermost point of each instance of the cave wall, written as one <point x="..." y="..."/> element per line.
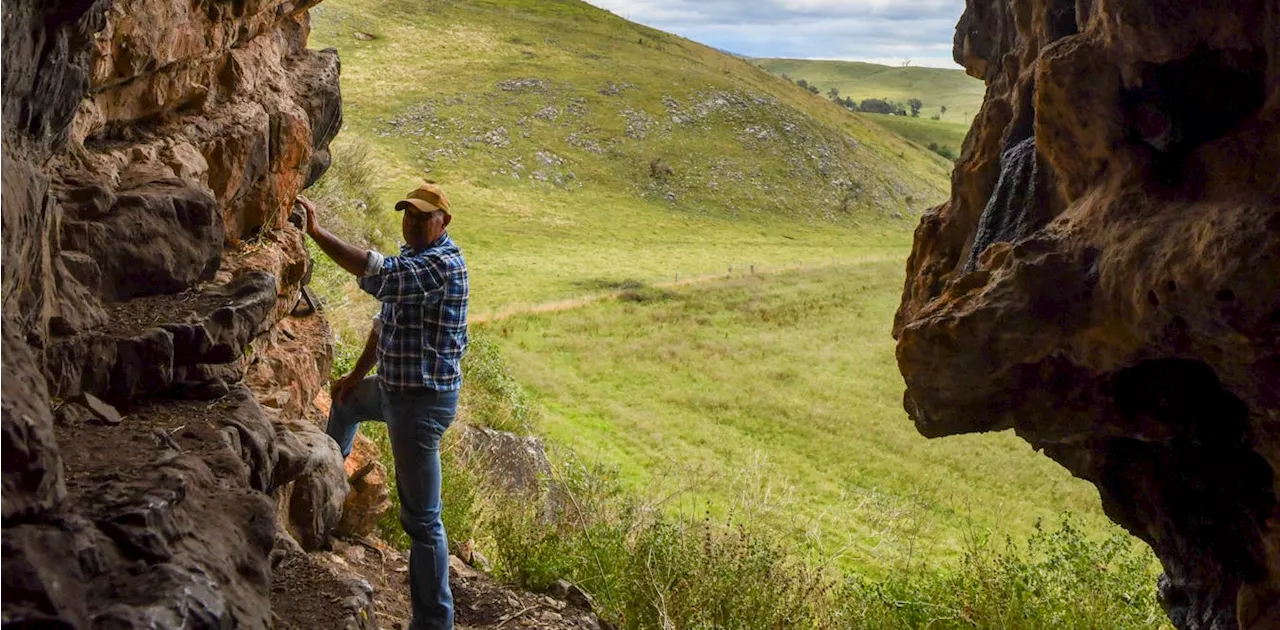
<point x="1105" y="278"/>
<point x="153" y="466"/>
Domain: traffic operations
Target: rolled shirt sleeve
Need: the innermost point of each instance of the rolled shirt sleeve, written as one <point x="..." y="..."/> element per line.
<point x="403" y="279"/>
<point x="373" y="264"/>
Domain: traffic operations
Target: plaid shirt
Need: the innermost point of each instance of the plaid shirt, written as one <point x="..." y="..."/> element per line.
<point x="424" y="315"/>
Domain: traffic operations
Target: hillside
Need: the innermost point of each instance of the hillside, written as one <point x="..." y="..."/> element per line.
<point x="566" y="135"/>
<point x="935" y="87"/>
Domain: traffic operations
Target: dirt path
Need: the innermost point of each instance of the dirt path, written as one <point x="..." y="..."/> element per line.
<point x="583" y="300"/>
<point x="480" y="602"/>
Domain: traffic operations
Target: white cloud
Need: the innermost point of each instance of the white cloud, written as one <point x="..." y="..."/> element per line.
<point x="883" y="31"/>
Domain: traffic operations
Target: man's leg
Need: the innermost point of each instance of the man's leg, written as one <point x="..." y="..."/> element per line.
<point x="363" y="403"/>
<point x="416" y="420"/>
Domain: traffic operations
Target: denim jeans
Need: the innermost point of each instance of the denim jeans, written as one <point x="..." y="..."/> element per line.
<point x="415" y="421"/>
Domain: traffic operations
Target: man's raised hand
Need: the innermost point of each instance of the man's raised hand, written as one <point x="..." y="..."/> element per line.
<point x="310" y="207"/>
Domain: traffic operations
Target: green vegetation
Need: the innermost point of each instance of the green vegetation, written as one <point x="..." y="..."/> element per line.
<point x="726" y="432"/>
<point x="566" y="136"/>
<point x="649" y="569"/>
<point x="926" y="133"/>
<point x="935" y="87"/>
<point x="780" y="385"/>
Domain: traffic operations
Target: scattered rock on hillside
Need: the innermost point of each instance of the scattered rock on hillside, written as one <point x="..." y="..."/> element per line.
<point x="616" y="89"/>
<point x="524" y="85"/>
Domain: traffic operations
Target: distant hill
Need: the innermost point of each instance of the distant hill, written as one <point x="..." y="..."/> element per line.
<point x="935" y="87"/>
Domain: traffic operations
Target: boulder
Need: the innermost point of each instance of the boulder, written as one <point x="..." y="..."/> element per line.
<point x="370" y="495"/>
<point x="1105" y="277"/>
<point x="311" y="460"/>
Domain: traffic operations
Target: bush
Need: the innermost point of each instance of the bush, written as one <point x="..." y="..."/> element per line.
<point x="880" y="106"/>
<point x="1058" y="579"/>
<point x="944" y="151"/>
<point x="915" y="104"/>
<point x="491" y="397"/>
<point x="650" y="569"/>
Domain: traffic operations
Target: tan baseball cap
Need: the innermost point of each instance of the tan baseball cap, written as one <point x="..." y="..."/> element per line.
<point x="426" y="198"/>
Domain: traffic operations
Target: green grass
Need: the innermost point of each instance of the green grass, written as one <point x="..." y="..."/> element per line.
<point x="935" y="87"/>
<point x="927" y="133"/>
<point x="748" y="431"/>
<point x="550" y="178"/>
<point x="781" y="386"/>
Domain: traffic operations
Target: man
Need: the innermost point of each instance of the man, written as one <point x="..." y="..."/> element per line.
<point x="417" y="342"/>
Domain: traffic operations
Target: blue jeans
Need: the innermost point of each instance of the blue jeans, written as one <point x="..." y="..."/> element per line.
<point x="415" y="421"/>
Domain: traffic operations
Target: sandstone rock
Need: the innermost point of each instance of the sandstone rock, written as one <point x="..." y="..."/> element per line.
<point x="143" y="366"/>
<point x="158" y="238"/>
<point x="32" y="482"/>
<point x="370" y="495"/>
<point x="319" y="484"/>
<point x="573" y="594"/>
<point x="1105" y="277"/>
<point x="101" y="411"/>
<point x="140" y="139"/>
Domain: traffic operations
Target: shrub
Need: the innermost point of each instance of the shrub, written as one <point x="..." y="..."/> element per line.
<point x="659" y="169"/>
<point x="944" y="151"/>
<point x="1058" y="579"/>
<point x="915" y="104"/>
<point x="878" y="106"/>
<point x="650" y="569"/>
<point x="491" y="396"/>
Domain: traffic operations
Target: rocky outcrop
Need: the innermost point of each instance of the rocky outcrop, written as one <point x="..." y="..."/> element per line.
<point x="151" y="153"/>
<point x="1105" y="279"/>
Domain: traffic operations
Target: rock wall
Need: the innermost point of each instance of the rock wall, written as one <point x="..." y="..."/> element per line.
<point x="152" y="150"/>
<point x="1105" y="279"/>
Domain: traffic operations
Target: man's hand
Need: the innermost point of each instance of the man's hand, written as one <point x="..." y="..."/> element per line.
<point x="343" y="387"/>
<point x="349" y="257"/>
<point x="312" y="225"/>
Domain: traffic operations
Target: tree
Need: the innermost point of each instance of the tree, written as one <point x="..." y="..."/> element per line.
<point x="850" y="104"/>
<point x="944" y="110"/>
<point x="802" y="83"/>
<point x="813" y="88"/>
<point x="877" y="106"/>
<point x="915" y="106"/>
<point x="834" y="94"/>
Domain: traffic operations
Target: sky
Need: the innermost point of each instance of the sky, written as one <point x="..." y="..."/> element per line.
<point x="880" y="31"/>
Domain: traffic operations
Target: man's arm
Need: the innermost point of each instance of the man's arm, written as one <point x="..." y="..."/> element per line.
<point x="349" y="257"/>
<point x="364" y="365"/>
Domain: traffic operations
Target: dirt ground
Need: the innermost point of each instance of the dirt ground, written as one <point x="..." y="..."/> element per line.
<point x="480" y="602"/>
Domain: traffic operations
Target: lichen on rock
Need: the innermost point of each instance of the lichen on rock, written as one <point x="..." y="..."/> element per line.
<point x="1105" y="279"/>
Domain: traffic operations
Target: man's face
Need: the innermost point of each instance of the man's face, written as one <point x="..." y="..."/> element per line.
<point x="423" y="228"/>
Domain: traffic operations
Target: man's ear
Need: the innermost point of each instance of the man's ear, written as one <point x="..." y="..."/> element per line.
<point x="447" y="218"/>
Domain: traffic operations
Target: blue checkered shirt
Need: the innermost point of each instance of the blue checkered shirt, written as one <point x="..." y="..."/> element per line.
<point x="424" y="315"/>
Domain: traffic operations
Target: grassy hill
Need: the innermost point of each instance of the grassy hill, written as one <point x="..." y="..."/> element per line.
<point x="946" y="136"/>
<point x="566" y="136"/>
<point x="935" y="87"/>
